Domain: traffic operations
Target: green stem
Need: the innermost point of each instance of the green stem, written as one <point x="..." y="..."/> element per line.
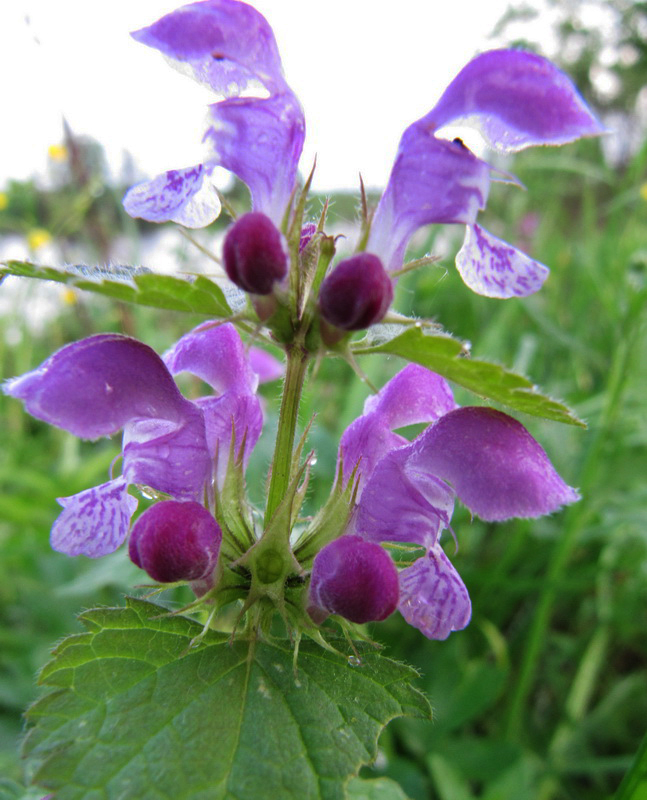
<point x="288" y="416"/>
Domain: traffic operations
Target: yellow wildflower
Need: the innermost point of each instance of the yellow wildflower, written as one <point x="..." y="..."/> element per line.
<point x="37" y="238"/>
<point x="57" y="152"/>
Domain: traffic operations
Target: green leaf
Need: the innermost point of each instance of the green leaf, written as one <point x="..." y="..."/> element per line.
<point x="133" y="715"/>
<point x="133" y="285"/>
<point x="634" y="785"/>
<point x="449" y="357"/>
<point x="10" y="790"/>
<point x="376" y="789"/>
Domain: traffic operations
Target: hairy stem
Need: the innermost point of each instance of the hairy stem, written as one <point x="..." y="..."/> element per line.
<point x="288" y="416"/>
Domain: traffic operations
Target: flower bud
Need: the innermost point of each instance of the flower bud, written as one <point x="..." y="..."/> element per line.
<point x="355" y="579"/>
<point x="175" y="541"/>
<point x="253" y="254"/>
<point x="356" y="294"/>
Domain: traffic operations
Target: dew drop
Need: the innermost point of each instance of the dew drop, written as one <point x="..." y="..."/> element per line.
<point x="353" y="661"/>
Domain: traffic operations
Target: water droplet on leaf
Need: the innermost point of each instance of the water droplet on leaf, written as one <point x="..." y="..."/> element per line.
<point x="354" y="661"/>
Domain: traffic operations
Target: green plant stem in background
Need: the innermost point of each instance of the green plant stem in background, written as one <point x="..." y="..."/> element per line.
<point x="297" y="364"/>
<point x="574" y="522"/>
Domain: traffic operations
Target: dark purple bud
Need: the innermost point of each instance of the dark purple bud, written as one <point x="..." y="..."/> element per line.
<point x="355" y="579"/>
<point x="175" y="541"/>
<point x="356" y="294"/>
<point x="254" y="255"/>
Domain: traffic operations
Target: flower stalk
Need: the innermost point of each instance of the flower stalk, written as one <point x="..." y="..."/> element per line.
<point x="297" y="365"/>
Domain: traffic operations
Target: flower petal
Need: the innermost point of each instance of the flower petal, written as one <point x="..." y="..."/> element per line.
<point x="516" y="99"/>
<point x="93" y="387"/>
<point x="495" y="466"/>
<point x="433" y="598"/>
<point x="260" y="141"/>
<point x="238" y="413"/>
<point x="415" y="394"/>
<point x="363" y="444"/>
<point x="223" y="44"/>
<point x="169" y="456"/>
<point x="432" y="180"/>
<point x="94" y="522"/>
<point x="186" y="196"/>
<point x="216" y="354"/>
<point x="265" y="365"/>
<point x="403" y="505"/>
<point x="493" y="268"/>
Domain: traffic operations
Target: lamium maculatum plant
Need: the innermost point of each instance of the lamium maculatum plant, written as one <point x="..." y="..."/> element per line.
<point x="282" y="600"/>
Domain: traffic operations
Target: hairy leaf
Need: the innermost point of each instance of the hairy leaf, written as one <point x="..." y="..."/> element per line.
<point x="133" y="285"/>
<point x="132" y="714"/>
<point x="450" y="358"/>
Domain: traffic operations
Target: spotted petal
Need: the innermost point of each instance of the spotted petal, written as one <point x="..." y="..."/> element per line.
<point x="494" y="465"/>
<point x="186" y="196"/>
<point x="94" y="522"/>
<point x="493" y="268"/>
<point x="224" y="44"/>
<point x="433" y="598"/>
<point x="432" y="181"/>
<point x="516" y="99"/>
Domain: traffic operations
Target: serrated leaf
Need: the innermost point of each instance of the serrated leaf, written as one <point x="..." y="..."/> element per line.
<point x="376" y="789"/>
<point x="133" y="285"/>
<point x="448" y="356"/>
<point x="132" y="715"/>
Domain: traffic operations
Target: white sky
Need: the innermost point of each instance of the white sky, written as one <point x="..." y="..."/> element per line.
<point x="363" y="70"/>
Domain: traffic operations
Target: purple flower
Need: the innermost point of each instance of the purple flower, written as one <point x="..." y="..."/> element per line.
<point x="176" y="446"/>
<point x="407" y="489"/>
<point x="516" y="100"/>
<point x="228" y="47"/>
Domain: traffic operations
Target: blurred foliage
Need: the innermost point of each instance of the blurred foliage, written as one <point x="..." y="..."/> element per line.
<point x="602" y="44"/>
<point x="543" y="695"/>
